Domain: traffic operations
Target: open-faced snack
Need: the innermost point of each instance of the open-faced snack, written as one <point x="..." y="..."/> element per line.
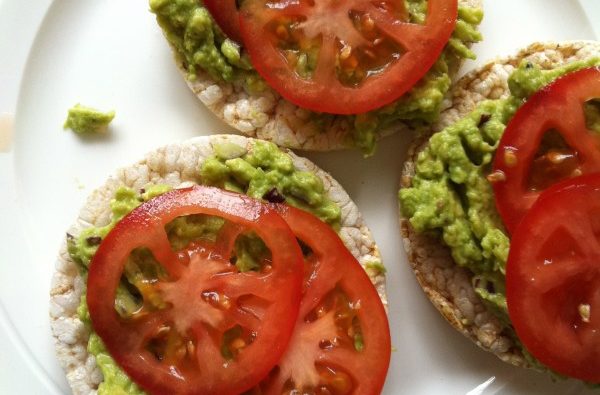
<point x="148" y="214"/>
<point x="456" y="239"/>
<point x="351" y="72"/>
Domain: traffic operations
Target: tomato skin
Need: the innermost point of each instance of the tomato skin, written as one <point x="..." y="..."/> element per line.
<point x="144" y="226"/>
<point x="335" y="266"/>
<point x="553" y="269"/>
<point x="557" y="106"/>
<point x="324" y="92"/>
<point x="226" y="15"/>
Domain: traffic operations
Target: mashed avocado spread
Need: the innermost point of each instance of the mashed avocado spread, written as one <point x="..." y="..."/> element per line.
<point x="268" y="173"/>
<point x="87" y="120"/>
<point x="451" y="196"/>
<point x="264" y="172"/>
<point x="200" y="44"/>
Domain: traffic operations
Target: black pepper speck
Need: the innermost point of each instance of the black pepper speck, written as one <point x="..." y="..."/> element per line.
<point x="484" y="119"/>
<point x="93" y="240"/>
<point x="274" y="196"/>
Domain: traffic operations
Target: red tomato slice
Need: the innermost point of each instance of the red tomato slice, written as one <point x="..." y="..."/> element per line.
<point x="343" y="57"/>
<point x="340" y="306"/>
<point x="226" y="15"/>
<point x="553" y="278"/>
<point x="179" y="314"/>
<point x="556" y="107"/>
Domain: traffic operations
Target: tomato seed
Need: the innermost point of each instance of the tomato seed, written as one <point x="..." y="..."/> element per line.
<point x="369" y="53"/>
<point x="496" y="176"/>
<point x="341" y="383"/>
<point x="225" y="302"/>
<point x="323" y="391"/>
<point x="351" y="63"/>
<point x="584" y="312"/>
<point x="359" y="75"/>
<point x="292" y="58"/>
<point x="341" y="315"/>
<point x="191" y="348"/>
<point x="238" y="343"/>
<point x="302" y="62"/>
<point x="321" y="312"/>
<point x="556" y="158"/>
<point x="368" y="23"/>
<point x="216" y="300"/>
<point x="163" y="330"/>
<point x="510" y="158"/>
<point x="346" y="52"/>
<point x="180" y="353"/>
<point x="282" y="33"/>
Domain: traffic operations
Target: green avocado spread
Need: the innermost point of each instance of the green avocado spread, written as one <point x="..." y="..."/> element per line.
<point x="87" y="120"/>
<point x="263" y="171"/>
<point x="200" y="44"/>
<point x="450" y="195"/>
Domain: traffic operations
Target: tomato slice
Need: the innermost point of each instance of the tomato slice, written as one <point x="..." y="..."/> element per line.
<point x="520" y="177"/>
<point x="343" y="57"/>
<point x="174" y="343"/>
<point x="341" y="344"/>
<point x="227" y="16"/>
<point x="553" y="278"/>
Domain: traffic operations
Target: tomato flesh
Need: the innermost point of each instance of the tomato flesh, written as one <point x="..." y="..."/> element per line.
<point x="363" y="53"/>
<point x="204" y="327"/>
<point x="559" y="108"/>
<point x="553" y="278"/>
<point x="341" y="343"/>
<point x="226" y="15"/>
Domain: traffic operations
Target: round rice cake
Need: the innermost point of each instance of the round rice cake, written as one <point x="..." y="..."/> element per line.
<point x="175" y="165"/>
<point x="268" y="116"/>
<point x="447" y="285"/>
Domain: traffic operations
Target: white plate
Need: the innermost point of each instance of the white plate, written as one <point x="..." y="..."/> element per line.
<point x="111" y="54"/>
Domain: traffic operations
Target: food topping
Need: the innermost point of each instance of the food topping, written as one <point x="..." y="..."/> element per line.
<point x="341" y="343"/>
<point x="266" y="172"/>
<point x="87" y="120"/>
<point x="547" y="140"/>
<point x="196" y="323"/>
<point x="371" y="56"/>
<point x="553" y="278"/>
